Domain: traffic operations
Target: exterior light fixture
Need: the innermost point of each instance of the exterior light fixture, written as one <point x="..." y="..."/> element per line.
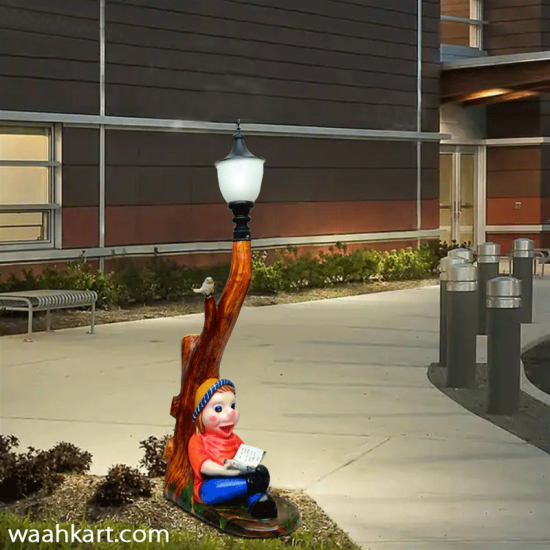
<point x="240" y="178"/>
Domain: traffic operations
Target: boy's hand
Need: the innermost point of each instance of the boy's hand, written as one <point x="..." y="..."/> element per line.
<point x="229" y="470"/>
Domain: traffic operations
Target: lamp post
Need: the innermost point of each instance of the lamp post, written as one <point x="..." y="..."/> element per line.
<point x="240" y="178"/>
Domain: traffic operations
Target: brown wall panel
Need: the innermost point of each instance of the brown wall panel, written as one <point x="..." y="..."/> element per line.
<point x="296" y="170"/>
<point x="545" y="109"/>
<point x="502" y="211"/>
<point x="172" y="224"/>
<point x="340" y="64"/>
<point x="197" y="185"/>
<point x="431" y="66"/>
<point x="80" y="167"/>
<point x="505" y="240"/>
<point x="545" y="210"/>
<point x="513" y="158"/>
<point x="514" y="171"/>
<point x="80" y="227"/>
<point x="54" y="96"/>
<point x="125" y="148"/>
<point x="430" y="214"/>
<point x="49" y="59"/>
<point x="513" y="183"/>
<point x="514" y="119"/>
<point x="224" y="106"/>
<point x="514" y="27"/>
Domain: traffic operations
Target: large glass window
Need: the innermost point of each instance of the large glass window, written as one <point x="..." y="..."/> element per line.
<point x="28" y="199"/>
<point x="462" y="23"/>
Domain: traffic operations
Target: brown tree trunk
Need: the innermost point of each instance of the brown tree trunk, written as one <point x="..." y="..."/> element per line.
<point x="201" y="358"/>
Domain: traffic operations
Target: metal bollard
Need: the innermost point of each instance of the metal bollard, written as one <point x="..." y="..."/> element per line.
<point x="465" y="253"/>
<point x="503" y="344"/>
<point x="461" y="326"/>
<point x="523" y="256"/>
<point x="488" y="259"/>
<point x="444" y="266"/>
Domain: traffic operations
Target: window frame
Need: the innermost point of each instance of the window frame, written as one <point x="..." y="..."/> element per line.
<point x="52" y="208"/>
<point x="475" y="24"/>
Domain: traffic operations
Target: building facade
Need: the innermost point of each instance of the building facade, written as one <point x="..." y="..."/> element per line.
<point x="113" y="112"/>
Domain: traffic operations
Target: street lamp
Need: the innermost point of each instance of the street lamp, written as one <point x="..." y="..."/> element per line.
<point x="240" y="178"/>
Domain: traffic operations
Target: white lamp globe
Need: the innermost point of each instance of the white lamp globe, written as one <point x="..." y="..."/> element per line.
<point x="240" y="173"/>
<point x="240" y="178"/>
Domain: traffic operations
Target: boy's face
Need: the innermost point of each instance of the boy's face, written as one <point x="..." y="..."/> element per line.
<point x="220" y="414"/>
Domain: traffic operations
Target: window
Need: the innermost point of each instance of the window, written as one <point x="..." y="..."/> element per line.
<point x="462" y="23"/>
<point x="29" y="198"/>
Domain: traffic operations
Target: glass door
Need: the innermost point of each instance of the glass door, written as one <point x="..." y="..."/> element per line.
<point x="457" y="188"/>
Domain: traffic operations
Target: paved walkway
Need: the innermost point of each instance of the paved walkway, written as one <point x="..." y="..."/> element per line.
<point x="335" y="391"/>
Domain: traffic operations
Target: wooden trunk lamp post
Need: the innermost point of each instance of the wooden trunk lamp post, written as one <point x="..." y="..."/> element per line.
<point x="210" y="472"/>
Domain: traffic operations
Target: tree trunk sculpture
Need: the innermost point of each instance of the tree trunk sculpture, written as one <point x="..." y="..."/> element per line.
<point x="201" y="357"/>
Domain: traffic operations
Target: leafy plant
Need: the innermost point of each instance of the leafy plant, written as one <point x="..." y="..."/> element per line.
<point x="153" y="460"/>
<point x="26" y="473"/>
<point x="122" y="485"/>
<point x="68" y="458"/>
<point x="404" y="265"/>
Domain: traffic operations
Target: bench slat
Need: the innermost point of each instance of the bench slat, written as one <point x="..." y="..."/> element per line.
<point x="48" y="298"/>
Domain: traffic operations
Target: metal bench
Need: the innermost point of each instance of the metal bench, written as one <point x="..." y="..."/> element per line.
<point x="46" y="300"/>
<point x="541" y="257"/>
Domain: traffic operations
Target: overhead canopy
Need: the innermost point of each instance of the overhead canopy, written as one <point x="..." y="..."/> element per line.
<point x="494" y="79"/>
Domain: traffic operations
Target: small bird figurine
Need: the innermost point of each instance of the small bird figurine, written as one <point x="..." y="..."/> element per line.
<point x="207" y="287"/>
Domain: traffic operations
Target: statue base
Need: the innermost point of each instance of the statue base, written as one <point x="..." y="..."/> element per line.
<point x="235" y="520"/>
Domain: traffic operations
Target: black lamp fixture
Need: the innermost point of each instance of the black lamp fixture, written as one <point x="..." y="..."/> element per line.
<point x="240" y="178"/>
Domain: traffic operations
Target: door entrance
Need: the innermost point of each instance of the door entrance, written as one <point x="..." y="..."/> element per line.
<point x="457" y="191"/>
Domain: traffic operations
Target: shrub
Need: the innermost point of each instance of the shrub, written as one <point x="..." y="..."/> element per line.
<point x="169" y="279"/>
<point x="405" y="264"/>
<point x="68" y="458"/>
<point x="153" y="461"/>
<point x="265" y="278"/>
<point x="122" y="485"/>
<point x="26" y="473"/>
<point x="360" y="266"/>
<point x="7" y="443"/>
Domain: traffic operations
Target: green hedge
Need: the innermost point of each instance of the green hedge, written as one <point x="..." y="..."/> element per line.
<point x="163" y="279"/>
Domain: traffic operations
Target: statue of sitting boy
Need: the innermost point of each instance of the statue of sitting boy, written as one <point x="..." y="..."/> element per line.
<point x="213" y="446"/>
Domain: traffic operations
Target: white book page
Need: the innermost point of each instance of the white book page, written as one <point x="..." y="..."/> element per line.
<point x="249" y="456"/>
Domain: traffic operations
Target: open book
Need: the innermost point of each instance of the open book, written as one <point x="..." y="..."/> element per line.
<point x="247" y="458"/>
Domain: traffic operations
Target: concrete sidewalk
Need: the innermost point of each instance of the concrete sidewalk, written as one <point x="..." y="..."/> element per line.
<point x="335" y="391"/>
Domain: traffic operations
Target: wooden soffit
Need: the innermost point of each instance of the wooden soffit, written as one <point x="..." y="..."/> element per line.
<point x="494" y="79"/>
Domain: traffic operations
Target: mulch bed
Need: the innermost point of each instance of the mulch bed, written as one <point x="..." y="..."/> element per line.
<point x="537" y="365"/>
<point x="72" y="501"/>
<point x="16" y="322"/>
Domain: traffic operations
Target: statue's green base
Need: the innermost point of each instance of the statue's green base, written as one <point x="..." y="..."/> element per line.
<point x="235" y="519"/>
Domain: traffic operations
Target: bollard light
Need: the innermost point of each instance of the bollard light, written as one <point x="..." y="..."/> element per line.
<point x="503" y="344"/>
<point x="523" y="258"/>
<point x="240" y="178"/>
<point x="465" y="253"/>
<point x="488" y="260"/>
<point x="444" y="265"/>
<point x="461" y="326"/>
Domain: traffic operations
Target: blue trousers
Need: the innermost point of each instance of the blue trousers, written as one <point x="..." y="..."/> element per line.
<point x="216" y="490"/>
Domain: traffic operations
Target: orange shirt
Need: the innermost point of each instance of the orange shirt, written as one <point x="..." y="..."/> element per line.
<point x="210" y="446"/>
